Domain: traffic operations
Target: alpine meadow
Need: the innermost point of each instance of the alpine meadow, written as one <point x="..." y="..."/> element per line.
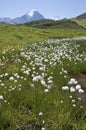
<point x="43" y="75"/>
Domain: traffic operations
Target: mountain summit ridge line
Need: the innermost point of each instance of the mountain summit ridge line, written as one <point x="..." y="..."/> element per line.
<point x="32" y="15"/>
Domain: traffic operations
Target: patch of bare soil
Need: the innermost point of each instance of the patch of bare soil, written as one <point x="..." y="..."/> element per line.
<point x="31" y="127"/>
<point x="81" y="78"/>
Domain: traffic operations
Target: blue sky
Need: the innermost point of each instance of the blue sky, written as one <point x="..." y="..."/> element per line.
<point x="49" y="8"/>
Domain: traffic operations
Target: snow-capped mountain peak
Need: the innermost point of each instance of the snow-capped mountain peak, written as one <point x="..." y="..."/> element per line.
<point x="32" y="15"/>
<point x="32" y="12"/>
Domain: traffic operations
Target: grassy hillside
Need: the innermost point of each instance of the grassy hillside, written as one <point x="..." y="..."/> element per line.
<point x="50" y="24"/>
<point x="81" y="20"/>
<point x="16" y="35"/>
<point x="42" y="79"/>
<point x="82" y="16"/>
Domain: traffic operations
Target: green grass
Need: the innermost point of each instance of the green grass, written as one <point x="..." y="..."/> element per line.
<point x="14" y="35"/>
<point x="23" y="56"/>
<point x="50" y="24"/>
<point x="81" y="22"/>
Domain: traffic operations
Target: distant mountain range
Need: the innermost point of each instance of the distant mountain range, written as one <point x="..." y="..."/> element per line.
<point x="32" y="15"/>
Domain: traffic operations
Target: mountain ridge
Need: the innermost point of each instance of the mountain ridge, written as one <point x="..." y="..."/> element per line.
<point x="80" y="19"/>
<point x="34" y="15"/>
<point x="51" y="24"/>
<point x="28" y="17"/>
<point x="82" y="16"/>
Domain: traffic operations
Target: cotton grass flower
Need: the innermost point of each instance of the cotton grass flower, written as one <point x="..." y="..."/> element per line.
<point x="46" y="90"/>
<point x="65" y="88"/>
<point x="81" y="90"/>
<point x="40" y="113"/>
<point x="2" y="84"/>
<point x="50" y="81"/>
<point x="73" y="100"/>
<point x="72" y="81"/>
<point x="1" y="97"/>
<point x="43" y="121"/>
<point x="6" y="74"/>
<point x="78" y="87"/>
<point x="72" y="89"/>
<point x="42" y="128"/>
<point x="43" y="83"/>
<point x="74" y="105"/>
<point x="11" y="78"/>
<point x="61" y="101"/>
<point x="79" y="98"/>
<point x="70" y="96"/>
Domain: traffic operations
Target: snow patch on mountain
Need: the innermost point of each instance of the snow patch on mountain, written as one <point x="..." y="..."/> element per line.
<point x="55" y="18"/>
<point x="32" y="12"/>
